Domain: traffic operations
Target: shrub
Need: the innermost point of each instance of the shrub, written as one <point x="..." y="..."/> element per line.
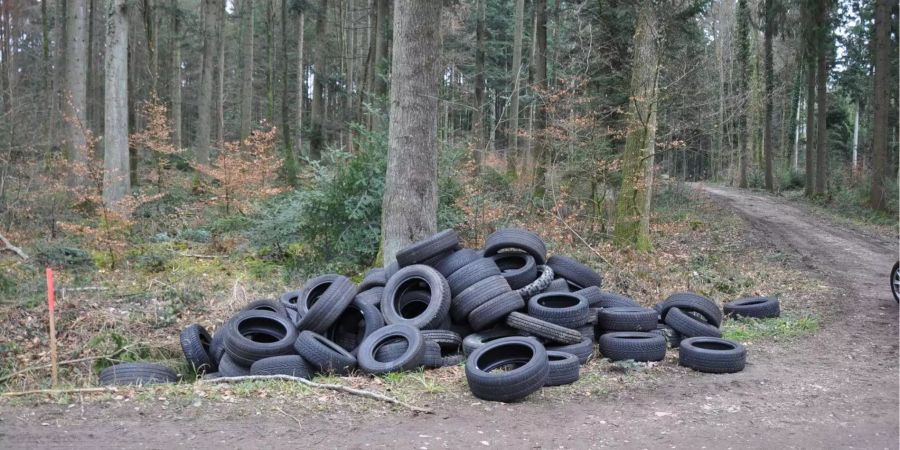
<point x="790" y="179"/>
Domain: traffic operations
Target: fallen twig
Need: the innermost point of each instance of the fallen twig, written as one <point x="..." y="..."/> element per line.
<point x="8" y="246"/>
<point x="194" y="255"/>
<point x="333" y="387"/>
<point x="59" y="391"/>
<point x="289" y="415"/>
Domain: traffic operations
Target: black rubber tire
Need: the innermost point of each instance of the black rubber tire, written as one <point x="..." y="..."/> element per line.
<point x="312" y="290"/>
<point x="291" y="365"/>
<point x="329" y="306"/>
<point x="255" y="334"/>
<point x="411" y="358"/>
<point x="562" y="308"/>
<point x="229" y="368"/>
<point x="544" y="329"/>
<point x="475" y="340"/>
<point x="472" y="273"/>
<point x="627" y="318"/>
<point x="290" y="299"/>
<point x="558" y="285"/>
<point x="324" y="355"/>
<point x="895" y="281"/>
<point x="673" y="338"/>
<point x="408" y="278"/>
<point x="529" y="373"/>
<point x="195" y="342"/>
<point x="564" y="368"/>
<point x="434" y="245"/>
<point x="689" y="301"/>
<point x="456" y="261"/>
<point x="371" y="296"/>
<point x="582" y="350"/>
<point x="689" y="326"/>
<point x="592" y="294"/>
<point x="274" y="306"/>
<point x="357" y="322"/>
<point x="217" y="345"/>
<point x="758" y="307"/>
<point x="477" y="295"/>
<point x="518" y="268"/>
<point x="634" y="345"/>
<point x="712" y="355"/>
<point x="449" y="341"/>
<point x="392" y="350"/>
<point x="432" y="357"/>
<point x="137" y="373"/>
<point x="390" y="270"/>
<point x="613" y="300"/>
<point x="545" y="277"/>
<point x="588" y="332"/>
<point x="519" y="239"/>
<point x="575" y="272"/>
<point x="373" y="278"/>
<point x="495" y="310"/>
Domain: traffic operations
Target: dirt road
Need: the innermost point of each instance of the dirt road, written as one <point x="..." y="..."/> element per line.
<point x="835" y="389"/>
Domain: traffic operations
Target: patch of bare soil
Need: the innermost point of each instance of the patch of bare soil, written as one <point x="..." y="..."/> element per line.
<point x="837" y="388"/>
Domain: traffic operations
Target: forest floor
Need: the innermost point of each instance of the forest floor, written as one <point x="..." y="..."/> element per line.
<point x="835" y="386"/>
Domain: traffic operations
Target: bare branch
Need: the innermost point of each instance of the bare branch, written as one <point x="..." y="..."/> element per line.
<point x="8" y="246"/>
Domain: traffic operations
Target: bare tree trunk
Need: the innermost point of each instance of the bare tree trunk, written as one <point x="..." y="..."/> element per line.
<point x="411" y="197"/>
<point x="855" y="137"/>
<point x="116" y="180"/>
<point x="175" y="83"/>
<point x="301" y="80"/>
<point x="382" y="39"/>
<point x="822" y="101"/>
<point x="220" y="69"/>
<point x="539" y="67"/>
<point x="637" y="160"/>
<point x="478" y="122"/>
<point x="796" y="164"/>
<point x="246" y="68"/>
<point x="881" y="93"/>
<point x="512" y="152"/>
<point x="75" y="94"/>
<point x="270" y="61"/>
<point x="743" y="61"/>
<point x="290" y="159"/>
<point x="150" y="29"/>
<point x="316" y="138"/>
<point x="769" y="74"/>
<point x="204" y="103"/>
<point x="810" y="121"/>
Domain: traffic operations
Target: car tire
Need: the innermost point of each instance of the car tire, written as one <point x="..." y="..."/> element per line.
<point x="411" y="358"/>
<point x="438" y="303"/>
<point x="689" y="301"/>
<point x="470" y="274"/>
<point x="477" y="295"/>
<point x="137" y="373"/>
<point x="324" y="355"/>
<point x="456" y="261"/>
<point x="634" y="345"/>
<point x="582" y="350"/>
<point x="627" y="318"/>
<point x="475" y="340"/>
<point x="518" y="268"/>
<point x="562" y="308"/>
<point x="324" y="311"/>
<point x="529" y="362"/>
<point x="495" y="310"/>
<point x="544" y="329"/>
<point x="430" y="247"/>
<point x="712" y="355"/>
<point x="195" y="342"/>
<point x="519" y="239"/>
<point x="256" y="334"/>
<point x="689" y="326"/>
<point x="290" y="365"/>
<point x="756" y="307"/>
<point x="544" y="278"/>
<point x="575" y="272"/>
<point x="564" y="368"/>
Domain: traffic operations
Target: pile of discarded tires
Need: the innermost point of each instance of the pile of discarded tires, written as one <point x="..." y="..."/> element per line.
<point x="519" y="320"/>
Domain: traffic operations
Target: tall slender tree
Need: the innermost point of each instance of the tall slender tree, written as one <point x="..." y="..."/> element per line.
<point x="175" y="74"/>
<point x="409" y="211"/>
<point x="743" y="119"/>
<point x="316" y="137"/>
<point x="823" y="43"/>
<point x="881" y="101"/>
<point x="809" y="57"/>
<point x="116" y="179"/>
<point x="301" y="75"/>
<point x="204" y="101"/>
<point x="769" y="74"/>
<point x="478" y="98"/>
<point x="75" y="93"/>
<point x="290" y="159"/>
<point x="539" y="67"/>
<point x="246" y="112"/>
<point x="512" y="153"/>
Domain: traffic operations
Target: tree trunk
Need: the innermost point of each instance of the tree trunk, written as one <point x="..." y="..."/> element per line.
<point x="301" y="80"/>
<point x="220" y="69"/>
<point x="539" y="67"/>
<point x="75" y="94"/>
<point x="150" y="30"/>
<point x="855" y="137"/>
<point x="204" y="102"/>
<point x="881" y="102"/>
<point x="116" y="180"/>
<point x="270" y="61"/>
<point x="246" y="69"/>
<point x="743" y="61"/>
<point x="175" y="83"/>
<point x="769" y="74"/>
<point x="797" y="125"/>
<point x="512" y="152"/>
<point x="822" y="100"/>
<point x="637" y="159"/>
<point x="810" y="122"/>
<point x="290" y="159"/>
<point x="381" y="47"/>
<point x="411" y="196"/>
<point x="316" y="138"/>
<point x="478" y="122"/>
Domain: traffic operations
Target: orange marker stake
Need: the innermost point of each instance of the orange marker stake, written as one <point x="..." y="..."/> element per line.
<point x="51" y="306"/>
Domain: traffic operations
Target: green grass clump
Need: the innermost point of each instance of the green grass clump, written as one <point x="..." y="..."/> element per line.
<point x="747" y="329"/>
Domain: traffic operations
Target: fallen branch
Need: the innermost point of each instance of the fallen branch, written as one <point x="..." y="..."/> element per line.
<point x="8" y="246"/>
<point x="194" y="255"/>
<point x="333" y="387"/>
<point x="59" y="391"/>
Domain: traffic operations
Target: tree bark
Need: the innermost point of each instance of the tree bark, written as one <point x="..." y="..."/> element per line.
<point x="411" y="196"/>
<point x="478" y="120"/>
<point x="316" y="138"/>
<point x="204" y="102"/>
<point x="175" y="82"/>
<point x="743" y="118"/>
<point x="116" y="180"/>
<point x="797" y="125"/>
<point x="822" y="100"/>
<point x="881" y="103"/>
<point x="301" y="80"/>
<point x="637" y="160"/>
<point x="855" y="137"/>
<point x="290" y="159"/>
<point x="539" y="67"/>
<point x="810" y="119"/>
<point x="220" y="70"/>
<point x="75" y="95"/>
<point x="246" y="69"/>
<point x="769" y="74"/>
<point x="512" y="153"/>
